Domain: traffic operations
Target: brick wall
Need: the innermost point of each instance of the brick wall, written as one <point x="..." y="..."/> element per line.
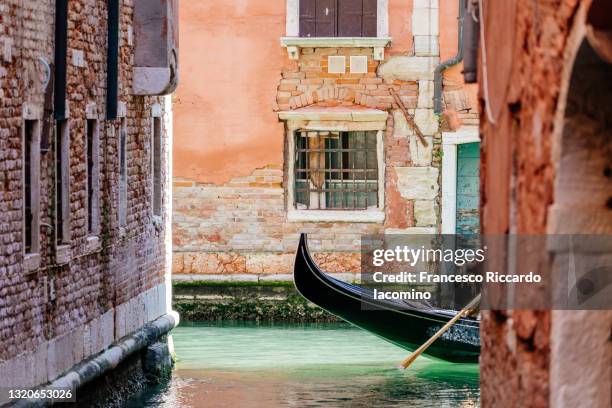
<point x="56" y="315"/>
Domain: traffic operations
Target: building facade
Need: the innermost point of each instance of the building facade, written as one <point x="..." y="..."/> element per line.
<point x="317" y="117"/>
<point x="85" y="158"/>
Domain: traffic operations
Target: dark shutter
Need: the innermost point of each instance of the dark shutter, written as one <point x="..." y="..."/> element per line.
<point x="369" y="19"/>
<point x="350" y="14"/>
<point x="338" y="18"/>
<point x="308" y="18"/>
<point x="326" y="18"/>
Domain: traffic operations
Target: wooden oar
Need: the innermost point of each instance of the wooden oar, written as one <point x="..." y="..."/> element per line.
<point x="462" y="313"/>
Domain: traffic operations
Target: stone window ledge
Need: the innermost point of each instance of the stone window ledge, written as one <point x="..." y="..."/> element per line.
<point x="293" y="44"/>
<point x="370" y="216"/>
<point x="31" y="262"/>
<point x="338" y="114"/>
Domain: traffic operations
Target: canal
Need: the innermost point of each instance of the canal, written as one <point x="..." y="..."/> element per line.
<point x="231" y="364"/>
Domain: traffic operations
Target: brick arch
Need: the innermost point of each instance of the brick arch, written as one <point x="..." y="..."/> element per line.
<point x="328" y="96"/>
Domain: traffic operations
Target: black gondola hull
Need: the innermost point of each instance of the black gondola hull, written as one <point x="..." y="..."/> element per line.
<point x="404" y="326"/>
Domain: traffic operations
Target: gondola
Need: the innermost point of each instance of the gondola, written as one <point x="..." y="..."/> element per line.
<point x="405" y="324"/>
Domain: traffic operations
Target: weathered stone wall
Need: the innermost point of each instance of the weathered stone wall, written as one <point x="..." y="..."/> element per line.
<point x="53" y="316"/>
<point x="543" y="171"/>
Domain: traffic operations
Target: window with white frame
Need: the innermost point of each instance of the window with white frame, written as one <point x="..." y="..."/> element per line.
<point x="62" y="182"/>
<point x="337" y="18"/>
<point x="92" y="143"/>
<point x="123" y="172"/>
<point x="156" y="161"/>
<point x="31" y="186"/>
<point x="336" y="170"/>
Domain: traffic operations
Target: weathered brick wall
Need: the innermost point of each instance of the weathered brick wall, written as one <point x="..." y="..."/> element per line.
<point x="55" y="316"/>
<point x="241" y="227"/>
<point x="518" y="173"/>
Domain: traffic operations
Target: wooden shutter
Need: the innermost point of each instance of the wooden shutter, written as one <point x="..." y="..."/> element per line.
<point x="369" y="28"/>
<point x="308" y="18"/>
<point x="341" y="18"/>
<point x="326" y="18"/>
<point x="350" y="14"/>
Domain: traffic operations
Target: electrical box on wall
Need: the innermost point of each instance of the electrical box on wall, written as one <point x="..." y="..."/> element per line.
<point x="155" y="47"/>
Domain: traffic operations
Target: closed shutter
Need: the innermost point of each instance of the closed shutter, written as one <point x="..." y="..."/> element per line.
<point x="350" y="14"/>
<point x="326" y="18"/>
<point x="308" y="18"/>
<point x="338" y="18"/>
<point x="369" y="18"/>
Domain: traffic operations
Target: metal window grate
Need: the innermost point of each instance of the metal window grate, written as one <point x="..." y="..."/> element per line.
<point x="335" y="170"/>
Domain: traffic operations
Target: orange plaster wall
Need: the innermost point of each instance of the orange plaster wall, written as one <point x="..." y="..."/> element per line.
<point x="400" y="26"/>
<point x="230" y="63"/>
<point x="449" y="11"/>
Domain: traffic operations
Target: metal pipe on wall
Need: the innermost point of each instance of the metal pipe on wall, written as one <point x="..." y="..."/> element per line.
<point x="450" y="62"/>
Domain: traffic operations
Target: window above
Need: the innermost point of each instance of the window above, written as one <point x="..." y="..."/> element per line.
<point x="337" y="23"/>
<point x="338" y="18"/>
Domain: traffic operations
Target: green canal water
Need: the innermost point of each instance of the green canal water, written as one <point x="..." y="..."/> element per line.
<point x="313" y="365"/>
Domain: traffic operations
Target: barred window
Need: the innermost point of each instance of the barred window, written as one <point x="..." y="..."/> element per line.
<point x="336" y="170"/>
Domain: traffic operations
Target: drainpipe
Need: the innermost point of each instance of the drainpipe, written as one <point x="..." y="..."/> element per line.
<point x="448" y="63"/>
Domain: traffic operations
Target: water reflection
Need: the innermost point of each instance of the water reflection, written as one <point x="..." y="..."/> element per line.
<point x="246" y="365"/>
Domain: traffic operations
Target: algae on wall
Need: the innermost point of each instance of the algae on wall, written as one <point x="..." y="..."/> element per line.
<point x="252" y="301"/>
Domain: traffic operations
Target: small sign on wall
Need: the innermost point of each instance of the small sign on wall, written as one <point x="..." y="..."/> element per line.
<point x="359" y="64"/>
<point x="336" y="64"/>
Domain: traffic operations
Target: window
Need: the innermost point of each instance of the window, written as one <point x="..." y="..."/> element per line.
<point x="338" y="18"/>
<point x="62" y="183"/>
<point x="156" y="166"/>
<point x="123" y="172"/>
<point x="93" y="176"/>
<point x="31" y="185"/>
<point x="336" y="170"/>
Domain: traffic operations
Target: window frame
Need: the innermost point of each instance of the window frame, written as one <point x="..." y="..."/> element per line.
<point x="157" y="186"/>
<point x="31" y="257"/>
<point x="292" y="25"/>
<point x="370" y="215"/>
<point x="62" y="141"/>
<point x="122" y="142"/>
<point x="341" y="167"/>
<point x="93" y="201"/>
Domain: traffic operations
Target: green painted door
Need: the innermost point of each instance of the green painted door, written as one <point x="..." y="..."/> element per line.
<point x="468" y="188"/>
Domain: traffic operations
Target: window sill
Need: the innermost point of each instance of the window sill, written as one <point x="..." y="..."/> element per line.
<point x="365" y="216"/>
<point x="31" y="262"/>
<point x="63" y="254"/>
<point x="293" y="44"/>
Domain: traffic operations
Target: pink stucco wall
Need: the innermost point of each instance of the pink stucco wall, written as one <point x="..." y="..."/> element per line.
<point x="449" y="10"/>
<point x="230" y="59"/>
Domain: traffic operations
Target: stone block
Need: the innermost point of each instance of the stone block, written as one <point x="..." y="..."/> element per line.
<point x="426" y="94"/>
<point x="411" y="231"/>
<point x="423" y="4"/>
<point x="266" y="263"/>
<point x="417" y="183"/>
<point x="427" y="121"/>
<point x="400" y="125"/>
<point x="426" y="45"/>
<point x="425" y="21"/>
<point x="421" y="155"/>
<point x="409" y="68"/>
<point x="425" y="213"/>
